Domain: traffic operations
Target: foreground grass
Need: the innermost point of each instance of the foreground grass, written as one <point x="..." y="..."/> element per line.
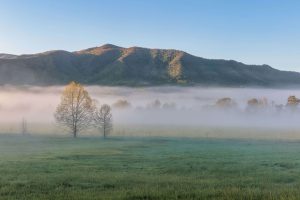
<point x="148" y="168"/>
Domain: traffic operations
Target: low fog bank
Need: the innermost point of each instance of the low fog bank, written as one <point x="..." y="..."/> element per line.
<point x="168" y="107"/>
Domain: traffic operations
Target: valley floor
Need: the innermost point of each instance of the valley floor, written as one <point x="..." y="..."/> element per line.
<point x="41" y="167"/>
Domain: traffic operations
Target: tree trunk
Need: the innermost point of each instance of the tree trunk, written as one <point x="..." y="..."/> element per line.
<point x="75" y="133"/>
<point x="104" y="131"/>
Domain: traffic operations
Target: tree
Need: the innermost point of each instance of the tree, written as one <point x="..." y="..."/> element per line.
<point x="103" y="119"/>
<point x="154" y="105"/>
<point x="226" y="103"/>
<point x="121" y="104"/>
<point x="76" y="109"/>
<point x="255" y="105"/>
<point x="293" y="101"/>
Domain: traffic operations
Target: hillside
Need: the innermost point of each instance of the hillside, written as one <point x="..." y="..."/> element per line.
<point x="136" y="66"/>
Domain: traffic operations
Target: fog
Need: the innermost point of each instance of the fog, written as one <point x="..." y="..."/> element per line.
<point x="168" y="107"/>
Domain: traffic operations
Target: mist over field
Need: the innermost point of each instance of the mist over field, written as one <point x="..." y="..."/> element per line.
<point x="173" y="108"/>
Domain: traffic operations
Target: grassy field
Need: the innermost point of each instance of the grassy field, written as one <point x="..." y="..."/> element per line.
<point x="43" y="167"/>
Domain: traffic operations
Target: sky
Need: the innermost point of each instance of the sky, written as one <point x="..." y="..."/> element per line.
<point x="253" y="32"/>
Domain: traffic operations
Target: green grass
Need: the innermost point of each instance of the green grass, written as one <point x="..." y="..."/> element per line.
<point x="148" y="168"/>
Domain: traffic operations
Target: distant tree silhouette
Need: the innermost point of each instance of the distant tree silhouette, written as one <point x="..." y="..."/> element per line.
<point x="292" y="102"/>
<point x="121" y="104"/>
<point x="226" y="103"/>
<point x="254" y="105"/>
<point x="155" y="104"/>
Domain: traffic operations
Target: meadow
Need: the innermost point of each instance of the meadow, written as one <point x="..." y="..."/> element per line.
<point x="48" y="167"/>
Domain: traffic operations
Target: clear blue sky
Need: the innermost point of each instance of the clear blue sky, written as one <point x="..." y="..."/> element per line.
<point x="254" y="31"/>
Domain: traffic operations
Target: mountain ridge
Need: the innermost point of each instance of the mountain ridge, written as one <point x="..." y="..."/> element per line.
<point x="136" y="66"/>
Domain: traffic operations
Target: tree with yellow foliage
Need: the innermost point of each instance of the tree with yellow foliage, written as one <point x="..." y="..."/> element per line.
<point x="293" y="101"/>
<point x="76" y="109"/>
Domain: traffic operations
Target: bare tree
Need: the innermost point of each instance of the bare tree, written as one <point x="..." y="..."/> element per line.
<point x="76" y="109"/>
<point x="103" y="119"/>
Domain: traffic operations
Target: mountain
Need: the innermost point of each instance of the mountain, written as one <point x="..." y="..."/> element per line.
<point x="136" y="66"/>
<point x="7" y="56"/>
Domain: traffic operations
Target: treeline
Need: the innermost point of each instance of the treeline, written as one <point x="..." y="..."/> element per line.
<point x="256" y="105"/>
<point x="253" y="105"/>
<point x="156" y="104"/>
